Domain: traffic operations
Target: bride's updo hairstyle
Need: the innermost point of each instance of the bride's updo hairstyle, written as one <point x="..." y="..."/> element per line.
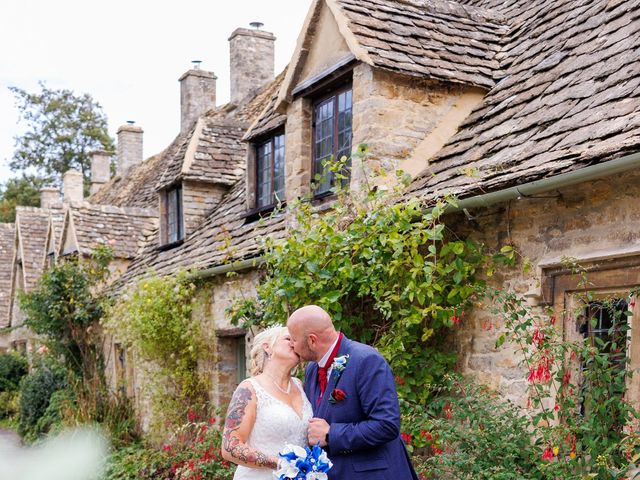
<point x="258" y="355"/>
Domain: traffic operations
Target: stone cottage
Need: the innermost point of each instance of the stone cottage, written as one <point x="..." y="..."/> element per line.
<point x="527" y="111"/>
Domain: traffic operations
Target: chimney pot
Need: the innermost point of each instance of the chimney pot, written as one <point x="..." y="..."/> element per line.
<point x="72" y="184"/>
<point x="100" y="169"/>
<point x="49" y="196"/>
<point x="129" y="149"/>
<point x="252" y="60"/>
<point x="197" y="95"/>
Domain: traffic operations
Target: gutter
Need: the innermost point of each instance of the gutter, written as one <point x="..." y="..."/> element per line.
<point x="586" y="174"/>
<point x="239" y="266"/>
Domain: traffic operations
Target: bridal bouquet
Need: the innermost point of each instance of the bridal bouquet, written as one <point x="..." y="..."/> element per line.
<point x="298" y="463"/>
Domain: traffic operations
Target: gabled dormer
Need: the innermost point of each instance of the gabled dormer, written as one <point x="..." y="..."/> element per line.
<point x="367" y="72"/>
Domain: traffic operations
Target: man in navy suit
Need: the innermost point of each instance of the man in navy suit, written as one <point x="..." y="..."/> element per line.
<point x="355" y="404"/>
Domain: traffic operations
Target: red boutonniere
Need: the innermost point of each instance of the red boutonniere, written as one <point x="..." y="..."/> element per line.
<point x="338" y="395"/>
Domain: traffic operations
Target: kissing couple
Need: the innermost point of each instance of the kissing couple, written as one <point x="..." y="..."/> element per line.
<point x="348" y="404"/>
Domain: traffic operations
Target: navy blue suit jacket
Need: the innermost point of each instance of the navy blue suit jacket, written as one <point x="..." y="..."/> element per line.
<point x="364" y="439"/>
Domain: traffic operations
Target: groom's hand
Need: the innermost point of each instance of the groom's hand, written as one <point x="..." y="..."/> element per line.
<point x="318" y="431"/>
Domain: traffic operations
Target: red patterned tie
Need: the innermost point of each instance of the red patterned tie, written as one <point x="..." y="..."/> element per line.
<point x="322" y="371"/>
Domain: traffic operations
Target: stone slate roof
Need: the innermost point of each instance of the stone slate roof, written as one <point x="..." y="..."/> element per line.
<point x="570" y="97"/>
<point x="219" y="154"/>
<point x="269" y="119"/>
<point x="32" y="224"/>
<point x="57" y="222"/>
<point x="124" y="229"/>
<point x="436" y="39"/>
<point x="135" y="188"/>
<point x="225" y="236"/>
<point x="7" y="252"/>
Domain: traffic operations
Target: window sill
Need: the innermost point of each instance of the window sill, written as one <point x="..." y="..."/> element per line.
<point x="169" y="246"/>
<point x="261" y="212"/>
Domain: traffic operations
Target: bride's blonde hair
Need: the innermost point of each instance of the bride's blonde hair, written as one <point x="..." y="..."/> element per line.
<point x="258" y="356"/>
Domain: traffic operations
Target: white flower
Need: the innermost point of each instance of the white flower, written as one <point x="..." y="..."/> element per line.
<point x="317" y="476"/>
<point x="324" y="459"/>
<point x="339" y="363"/>
<point x="289" y="470"/>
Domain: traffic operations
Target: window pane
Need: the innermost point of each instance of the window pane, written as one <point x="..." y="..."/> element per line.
<point x="278" y="166"/>
<point x="323" y="142"/>
<point x="344" y="132"/>
<point x="172" y="216"/>
<point x="264" y="175"/>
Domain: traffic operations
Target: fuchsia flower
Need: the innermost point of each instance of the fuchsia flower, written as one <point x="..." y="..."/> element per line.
<point x="547" y="455"/>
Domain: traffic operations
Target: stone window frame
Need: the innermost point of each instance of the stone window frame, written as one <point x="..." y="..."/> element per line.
<point x="613" y="276"/>
<point x="165" y="241"/>
<point x="332" y="93"/>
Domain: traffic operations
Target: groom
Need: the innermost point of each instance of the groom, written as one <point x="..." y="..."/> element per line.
<point x="355" y="404"/>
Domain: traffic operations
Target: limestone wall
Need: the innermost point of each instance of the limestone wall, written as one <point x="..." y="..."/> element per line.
<point x="598" y="223"/>
<point x="405" y="121"/>
<point x="198" y="199"/>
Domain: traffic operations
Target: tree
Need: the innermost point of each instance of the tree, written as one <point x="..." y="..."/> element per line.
<point x="62" y="128"/>
<point x="24" y="191"/>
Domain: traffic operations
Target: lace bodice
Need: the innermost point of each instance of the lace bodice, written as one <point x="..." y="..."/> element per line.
<point x="276" y="425"/>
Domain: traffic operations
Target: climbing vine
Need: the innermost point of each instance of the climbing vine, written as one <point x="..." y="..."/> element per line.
<point x="389" y="273"/>
<point x="155" y="321"/>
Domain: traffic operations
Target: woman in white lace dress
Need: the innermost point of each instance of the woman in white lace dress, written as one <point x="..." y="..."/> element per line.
<point x="267" y="410"/>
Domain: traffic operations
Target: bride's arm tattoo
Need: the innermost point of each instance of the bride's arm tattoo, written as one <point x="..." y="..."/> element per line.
<point x="230" y="441"/>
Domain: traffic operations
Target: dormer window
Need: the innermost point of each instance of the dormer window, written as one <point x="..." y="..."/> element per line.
<point x="331" y="136"/>
<point x="172" y="230"/>
<point x="270" y="172"/>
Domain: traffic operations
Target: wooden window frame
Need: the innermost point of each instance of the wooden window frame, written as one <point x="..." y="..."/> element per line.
<point x="335" y="92"/>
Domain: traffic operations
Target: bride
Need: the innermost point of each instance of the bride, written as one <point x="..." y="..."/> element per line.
<point x="267" y="410"/>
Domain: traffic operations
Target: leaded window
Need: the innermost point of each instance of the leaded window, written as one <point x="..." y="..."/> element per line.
<point x="173" y="224"/>
<point x="332" y="138"/>
<point x="270" y="172"/>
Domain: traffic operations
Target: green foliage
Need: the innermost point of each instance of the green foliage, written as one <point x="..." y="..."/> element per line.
<point x="61" y="129"/>
<point x="36" y="392"/>
<point x="24" y="191"/>
<point x="155" y="321"/>
<point x="577" y="387"/>
<point x="192" y="453"/>
<point x="65" y="308"/>
<point x="471" y="433"/>
<point x="13" y="367"/>
<point x="389" y="273"/>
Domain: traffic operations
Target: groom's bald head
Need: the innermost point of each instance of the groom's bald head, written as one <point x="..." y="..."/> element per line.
<point x="312" y="332"/>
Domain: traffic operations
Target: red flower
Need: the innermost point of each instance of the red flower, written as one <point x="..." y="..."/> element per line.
<point x="426" y="435"/>
<point x="406" y="438"/>
<point x="212" y="421"/>
<point x="566" y="378"/>
<point x="537" y="338"/>
<point x="447" y="411"/>
<point x="191" y="415"/>
<point x="553" y="320"/>
<point x="166" y="448"/>
<point x="455" y="320"/>
<point x="436" y="450"/>
<point x="399" y="380"/>
<point x="338" y="395"/>
<point x="547" y="454"/>
<point x="540" y="373"/>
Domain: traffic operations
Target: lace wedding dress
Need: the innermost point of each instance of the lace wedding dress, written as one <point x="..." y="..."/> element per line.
<point x="276" y="425"/>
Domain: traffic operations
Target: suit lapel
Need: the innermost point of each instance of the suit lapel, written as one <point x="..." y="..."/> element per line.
<point x="331" y="384"/>
<point x="313" y="386"/>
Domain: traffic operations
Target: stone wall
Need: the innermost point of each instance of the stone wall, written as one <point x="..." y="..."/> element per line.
<point x="404" y="120"/>
<point x="129" y="148"/>
<point x="198" y="199"/>
<point x="597" y="223"/>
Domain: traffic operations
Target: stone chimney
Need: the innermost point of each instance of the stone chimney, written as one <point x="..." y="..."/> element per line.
<point x="100" y="169"/>
<point x="252" y="61"/>
<point x="129" y="149"/>
<point x="72" y="184"/>
<point x="197" y="95"/>
<point x="49" y="196"/>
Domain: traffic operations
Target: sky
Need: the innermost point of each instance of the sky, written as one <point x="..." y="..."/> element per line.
<point x="128" y="55"/>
